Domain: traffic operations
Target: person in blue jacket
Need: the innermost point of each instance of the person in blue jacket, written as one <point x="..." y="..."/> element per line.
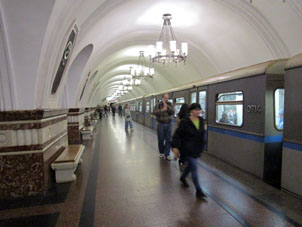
<point x="281" y="119"/>
<point x="189" y="140"/>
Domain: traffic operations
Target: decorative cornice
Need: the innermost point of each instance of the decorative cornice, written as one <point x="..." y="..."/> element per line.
<point x="30" y="125"/>
<point x="27" y="115"/>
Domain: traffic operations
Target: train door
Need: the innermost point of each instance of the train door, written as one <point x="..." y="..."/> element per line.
<point x="273" y="133"/>
<point x="202" y="100"/>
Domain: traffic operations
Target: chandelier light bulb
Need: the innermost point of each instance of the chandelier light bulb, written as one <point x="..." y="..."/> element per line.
<point x="152" y="72"/>
<point x="173" y="46"/>
<point x="159" y="47"/>
<point x="184" y="49"/>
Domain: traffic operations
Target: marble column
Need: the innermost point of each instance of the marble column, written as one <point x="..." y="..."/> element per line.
<point x="87" y="116"/>
<point x="75" y="125"/>
<point x="29" y="142"/>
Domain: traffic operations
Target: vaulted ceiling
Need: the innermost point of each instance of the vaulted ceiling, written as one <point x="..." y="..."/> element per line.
<point x="223" y="35"/>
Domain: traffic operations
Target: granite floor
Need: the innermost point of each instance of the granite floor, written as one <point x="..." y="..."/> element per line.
<point x="122" y="182"/>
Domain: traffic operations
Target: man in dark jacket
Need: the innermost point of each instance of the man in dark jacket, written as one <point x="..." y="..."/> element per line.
<point x="189" y="140"/>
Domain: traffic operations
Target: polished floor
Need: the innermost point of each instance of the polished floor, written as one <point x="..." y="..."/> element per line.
<point x="122" y="182"/>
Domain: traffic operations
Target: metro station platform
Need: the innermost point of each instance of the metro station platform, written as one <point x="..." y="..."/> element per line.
<point x="123" y="182"/>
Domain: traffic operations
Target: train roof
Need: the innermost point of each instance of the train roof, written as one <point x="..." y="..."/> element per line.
<point x="270" y="68"/>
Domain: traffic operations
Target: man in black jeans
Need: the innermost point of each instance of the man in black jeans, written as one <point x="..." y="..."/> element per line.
<point x="164" y="113"/>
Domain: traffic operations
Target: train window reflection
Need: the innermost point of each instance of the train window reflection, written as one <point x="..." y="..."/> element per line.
<point x="229" y="108"/>
<point x="153" y="103"/>
<point x="147" y="107"/>
<point x="177" y="106"/>
<point x="132" y="107"/>
<point x="180" y="100"/>
<point x="202" y="102"/>
<point x="279" y="108"/>
<point x="193" y="97"/>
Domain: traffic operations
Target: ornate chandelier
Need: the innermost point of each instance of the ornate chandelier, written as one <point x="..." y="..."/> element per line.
<point x="141" y="70"/>
<point x="130" y="82"/>
<point x="168" y="50"/>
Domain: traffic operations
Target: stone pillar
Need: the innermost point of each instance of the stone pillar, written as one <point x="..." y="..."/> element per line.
<point x="75" y="125"/>
<point x="29" y="142"/>
<point x="87" y="117"/>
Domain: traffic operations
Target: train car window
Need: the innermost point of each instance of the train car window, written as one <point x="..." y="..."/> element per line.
<point x="170" y="100"/>
<point x="153" y="103"/>
<point x="193" y="97"/>
<point x="147" y="107"/>
<point x="133" y="106"/>
<point x="177" y="106"/>
<point x="279" y="108"/>
<point x="140" y="106"/>
<point x="229" y="108"/>
<point x="203" y="102"/>
<point x="180" y="100"/>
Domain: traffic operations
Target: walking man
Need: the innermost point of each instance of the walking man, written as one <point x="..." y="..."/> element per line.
<point x="164" y="113"/>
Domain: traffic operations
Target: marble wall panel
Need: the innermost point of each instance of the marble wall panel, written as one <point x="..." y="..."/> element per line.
<point x="74" y="134"/>
<point x="21" y="175"/>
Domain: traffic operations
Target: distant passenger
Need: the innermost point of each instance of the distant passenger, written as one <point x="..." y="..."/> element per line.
<point x="113" y="109"/>
<point x="164" y="113"/>
<point x="120" y="110"/>
<point x="105" y="111"/>
<point x="224" y="118"/>
<point x="189" y="141"/>
<point x="183" y="113"/>
<point x="128" y="119"/>
<point x="100" y="112"/>
<point x="281" y="119"/>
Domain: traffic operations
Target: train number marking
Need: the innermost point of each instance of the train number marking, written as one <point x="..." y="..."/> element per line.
<point x="254" y="108"/>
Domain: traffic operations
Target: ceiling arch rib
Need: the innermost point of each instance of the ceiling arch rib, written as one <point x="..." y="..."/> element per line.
<point x="75" y="74"/>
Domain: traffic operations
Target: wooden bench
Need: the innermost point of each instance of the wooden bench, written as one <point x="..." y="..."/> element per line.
<point x="66" y="164"/>
<point x="87" y="133"/>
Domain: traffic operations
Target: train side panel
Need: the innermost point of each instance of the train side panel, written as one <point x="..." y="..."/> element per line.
<point x="241" y="146"/>
<point x="292" y="145"/>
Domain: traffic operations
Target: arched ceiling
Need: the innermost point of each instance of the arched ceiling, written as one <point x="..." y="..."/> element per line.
<point x="223" y="35"/>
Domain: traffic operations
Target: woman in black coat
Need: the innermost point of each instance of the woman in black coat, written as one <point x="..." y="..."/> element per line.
<point x="189" y="139"/>
<point x="183" y="113"/>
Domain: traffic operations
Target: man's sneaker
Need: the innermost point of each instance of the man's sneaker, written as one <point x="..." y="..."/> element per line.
<point x="184" y="182"/>
<point x="169" y="158"/>
<point x="200" y="194"/>
<point x="161" y="155"/>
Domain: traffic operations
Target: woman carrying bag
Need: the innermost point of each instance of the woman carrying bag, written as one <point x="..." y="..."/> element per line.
<point x="128" y="119"/>
<point x="189" y="140"/>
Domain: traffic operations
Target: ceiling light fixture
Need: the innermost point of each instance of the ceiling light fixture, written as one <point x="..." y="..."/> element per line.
<point x="141" y="70"/>
<point x="168" y="50"/>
